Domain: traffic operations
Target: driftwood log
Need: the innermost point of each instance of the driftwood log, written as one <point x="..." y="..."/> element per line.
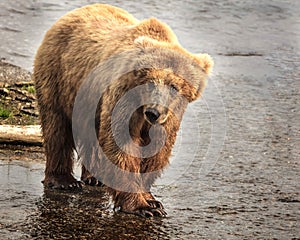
<point x="23" y="135"/>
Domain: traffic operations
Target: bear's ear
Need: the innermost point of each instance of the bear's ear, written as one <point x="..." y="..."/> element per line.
<point x="205" y="61"/>
<point x="144" y="41"/>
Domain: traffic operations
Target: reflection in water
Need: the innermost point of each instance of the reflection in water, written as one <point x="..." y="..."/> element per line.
<point x="86" y="215"/>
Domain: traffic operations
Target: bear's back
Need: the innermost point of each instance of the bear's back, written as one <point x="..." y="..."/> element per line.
<point x="106" y="15"/>
<point x="102" y="21"/>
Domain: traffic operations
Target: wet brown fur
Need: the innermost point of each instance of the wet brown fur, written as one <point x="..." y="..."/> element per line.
<point x="71" y="49"/>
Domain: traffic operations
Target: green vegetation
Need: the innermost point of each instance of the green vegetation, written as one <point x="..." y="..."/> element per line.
<point x="5" y="113"/>
<point x="29" y="89"/>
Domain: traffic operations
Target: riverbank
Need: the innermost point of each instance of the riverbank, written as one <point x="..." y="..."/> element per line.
<point x="18" y="104"/>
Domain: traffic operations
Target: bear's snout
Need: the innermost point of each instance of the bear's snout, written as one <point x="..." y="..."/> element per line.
<point x="155" y="114"/>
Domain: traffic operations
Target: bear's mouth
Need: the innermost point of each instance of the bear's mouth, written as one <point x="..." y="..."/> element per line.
<point x="151" y="115"/>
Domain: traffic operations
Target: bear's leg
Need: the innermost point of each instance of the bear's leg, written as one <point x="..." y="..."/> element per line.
<point x="132" y="199"/>
<point x="59" y="146"/>
<point x="151" y="165"/>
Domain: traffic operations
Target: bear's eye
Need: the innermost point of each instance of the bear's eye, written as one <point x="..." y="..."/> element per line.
<point x="174" y="89"/>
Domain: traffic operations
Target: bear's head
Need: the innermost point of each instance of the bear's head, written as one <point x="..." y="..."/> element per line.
<point x="164" y="93"/>
<point x="173" y="77"/>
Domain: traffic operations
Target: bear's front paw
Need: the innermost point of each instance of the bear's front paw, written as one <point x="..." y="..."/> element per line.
<point x="62" y="182"/>
<point x="135" y="203"/>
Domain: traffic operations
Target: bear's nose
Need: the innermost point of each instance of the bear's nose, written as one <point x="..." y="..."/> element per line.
<point x="152" y="115"/>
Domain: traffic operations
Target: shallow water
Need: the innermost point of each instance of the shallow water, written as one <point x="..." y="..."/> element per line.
<point x="246" y="127"/>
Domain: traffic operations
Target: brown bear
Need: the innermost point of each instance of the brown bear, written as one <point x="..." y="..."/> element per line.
<point x="146" y="80"/>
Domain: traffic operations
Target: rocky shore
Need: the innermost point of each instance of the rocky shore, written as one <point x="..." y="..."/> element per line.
<point x="18" y="104"/>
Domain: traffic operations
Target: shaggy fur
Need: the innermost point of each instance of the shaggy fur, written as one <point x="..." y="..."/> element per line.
<point x="74" y="46"/>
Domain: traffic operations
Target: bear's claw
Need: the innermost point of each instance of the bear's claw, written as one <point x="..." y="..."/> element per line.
<point x="92" y="181"/>
<point x="151" y="212"/>
<point x="62" y="183"/>
<point x="155" y="204"/>
<point x="73" y="186"/>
